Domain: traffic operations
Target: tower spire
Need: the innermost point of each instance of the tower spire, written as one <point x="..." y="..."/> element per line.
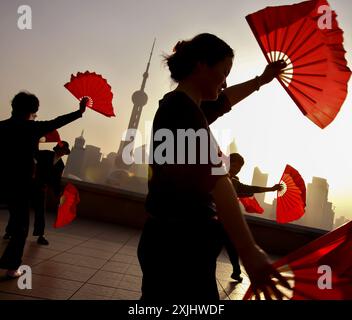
<point x="139" y="99"/>
<point x="146" y="74"/>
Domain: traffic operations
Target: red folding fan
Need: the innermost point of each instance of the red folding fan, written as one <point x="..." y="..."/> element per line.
<point x="96" y="88"/>
<point x="251" y="205"/>
<point x="52" y="136"/>
<point x="321" y="270"/>
<point x="291" y="200"/>
<point x="316" y="75"/>
<point x="67" y="208"/>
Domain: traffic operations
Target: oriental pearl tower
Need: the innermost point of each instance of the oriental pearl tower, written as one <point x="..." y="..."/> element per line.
<point x="139" y="99"/>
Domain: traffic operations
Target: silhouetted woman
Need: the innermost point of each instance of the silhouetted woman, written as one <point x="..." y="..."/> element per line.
<point x="181" y="240"/>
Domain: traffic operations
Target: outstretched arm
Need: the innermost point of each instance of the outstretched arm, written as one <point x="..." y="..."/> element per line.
<point x="247" y="189"/>
<point x="255" y="261"/>
<point x="238" y="92"/>
<point x="43" y="127"/>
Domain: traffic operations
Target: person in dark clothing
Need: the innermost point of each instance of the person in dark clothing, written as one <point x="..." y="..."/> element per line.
<point x="181" y="240"/>
<point x="49" y="169"/>
<point x="19" y="138"/>
<point x="242" y="190"/>
<point x="48" y="174"/>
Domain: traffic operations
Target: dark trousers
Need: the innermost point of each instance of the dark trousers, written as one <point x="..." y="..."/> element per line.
<point x="18" y="200"/>
<point x="178" y="260"/>
<point x="38" y="202"/>
<point x="233" y="255"/>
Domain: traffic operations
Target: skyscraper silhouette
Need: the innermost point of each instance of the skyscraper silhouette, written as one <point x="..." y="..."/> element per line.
<point x="139" y="99"/>
<point x="75" y="159"/>
<point x="319" y="211"/>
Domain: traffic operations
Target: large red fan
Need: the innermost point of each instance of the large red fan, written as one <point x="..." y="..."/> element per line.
<point x="291" y="200"/>
<point x="251" y="205"/>
<point x="307" y="36"/>
<point x="96" y="88"/>
<point x="321" y="270"/>
<point x="67" y="208"/>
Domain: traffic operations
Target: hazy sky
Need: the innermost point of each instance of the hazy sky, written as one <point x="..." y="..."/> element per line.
<point x="114" y="38"/>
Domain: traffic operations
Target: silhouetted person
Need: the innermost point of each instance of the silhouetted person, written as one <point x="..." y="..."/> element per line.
<point x="242" y="190"/>
<point x="19" y="138"/>
<point x="49" y="169"/>
<point x="181" y="240"/>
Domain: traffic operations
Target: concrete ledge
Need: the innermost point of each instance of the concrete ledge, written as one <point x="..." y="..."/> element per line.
<point x="281" y="239"/>
<point x="126" y="208"/>
<point x="107" y="204"/>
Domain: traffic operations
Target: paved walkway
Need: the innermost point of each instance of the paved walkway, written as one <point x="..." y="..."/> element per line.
<point x="91" y="260"/>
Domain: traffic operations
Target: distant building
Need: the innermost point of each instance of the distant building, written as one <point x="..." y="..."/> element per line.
<point x="232" y="148"/>
<point x="74" y="160"/>
<point x="139" y="99"/>
<point x="328" y="218"/>
<point x="105" y="167"/>
<point x="340" y="221"/>
<point x="91" y="163"/>
<point x="319" y="212"/>
<point x="140" y="167"/>
<point x="85" y="163"/>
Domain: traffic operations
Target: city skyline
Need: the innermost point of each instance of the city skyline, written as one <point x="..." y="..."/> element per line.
<point x="87" y="163"/>
<point x="268" y="127"/>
